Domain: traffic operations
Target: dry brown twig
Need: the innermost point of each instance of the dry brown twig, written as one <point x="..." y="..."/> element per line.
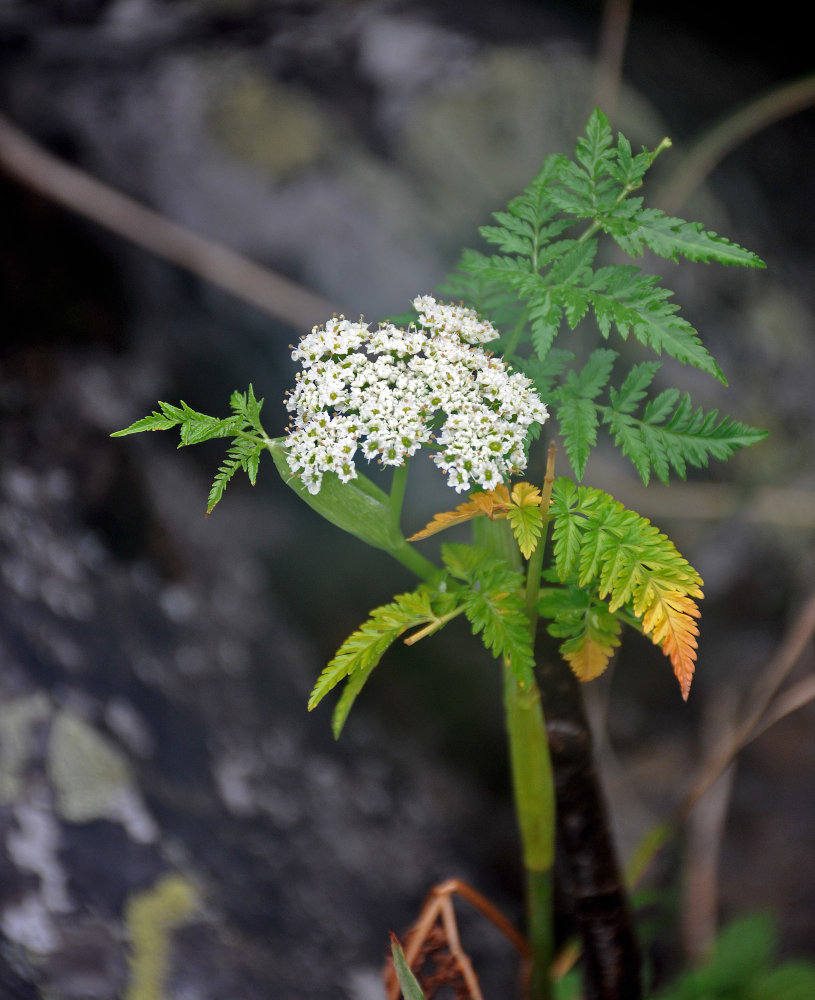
<point x="715" y="143"/>
<point x="764" y="706"/>
<point x="608" y="71"/>
<point x="436" y="930"/>
<point x="704" y="833"/>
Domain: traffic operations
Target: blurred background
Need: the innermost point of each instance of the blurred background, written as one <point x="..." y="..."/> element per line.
<point x="157" y="764"/>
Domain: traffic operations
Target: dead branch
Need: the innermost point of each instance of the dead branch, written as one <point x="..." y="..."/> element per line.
<point x="761" y="705"/>
<point x="423" y="939"/>
<point x="608" y="71"/>
<point x="704" y="832"/>
<point x="35" y="168"/>
<point x="717" y="142"/>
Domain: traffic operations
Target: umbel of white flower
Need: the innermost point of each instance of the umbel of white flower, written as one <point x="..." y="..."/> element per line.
<point x="386" y="392"/>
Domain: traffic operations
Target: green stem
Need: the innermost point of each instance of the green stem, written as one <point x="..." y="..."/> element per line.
<point x="433" y="626"/>
<point x="540" y="933"/>
<point x="404" y="551"/>
<point x="535" y="565"/>
<point x="397" y="494"/>
<point x="515" y="336"/>
<point x="413" y="560"/>
<point x="534" y="793"/>
<point x="532" y="784"/>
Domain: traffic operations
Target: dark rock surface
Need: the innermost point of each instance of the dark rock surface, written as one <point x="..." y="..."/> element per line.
<point x="157" y="766"/>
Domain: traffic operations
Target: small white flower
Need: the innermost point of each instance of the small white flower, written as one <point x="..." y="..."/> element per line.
<point x="387" y="392"/>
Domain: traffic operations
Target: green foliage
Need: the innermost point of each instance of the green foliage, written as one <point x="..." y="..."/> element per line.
<point x="579" y="617"/>
<point x="482" y="588"/>
<point x="411" y="990"/>
<point x="546" y="275"/>
<point x="742" y="968"/>
<point x="599" y="540"/>
<point x="427" y="607"/>
<point x="549" y="267"/>
<point x="610" y="565"/>
<point x="359" y="507"/>
<point x="667" y="434"/>
<point x="576" y="409"/>
<point x="249" y="438"/>
<point x="670" y="433"/>
<point x="494" y="605"/>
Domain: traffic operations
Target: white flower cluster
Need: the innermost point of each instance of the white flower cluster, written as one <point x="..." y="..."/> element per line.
<point x="388" y="391"/>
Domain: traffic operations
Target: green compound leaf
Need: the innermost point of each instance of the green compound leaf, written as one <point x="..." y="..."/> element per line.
<point x="627" y="299"/>
<point x="670" y="433"/>
<point x="494" y="605"/>
<point x="427" y="608"/>
<point x="552" y="271"/>
<point x="486" y="295"/>
<point x="674" y="238"/>
<point x="576" y="409"/>
<point x="163" y="421"/>
<point x="525" y="517"/>
<point x="530" y="222"/>
<point x="195" y="428"/>
<point x="243" y="453"/>
<point x="591" y="632"/>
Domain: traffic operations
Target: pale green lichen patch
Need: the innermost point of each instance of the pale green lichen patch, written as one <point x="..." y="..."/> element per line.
<point x="268" y="125"/>
<point x="150" y="919"/>
<point x="92" y="779"/>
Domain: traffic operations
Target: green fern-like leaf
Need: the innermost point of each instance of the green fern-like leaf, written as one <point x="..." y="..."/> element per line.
<point x="248" y="407"/>
<point x="670" y="433"/>
<point x="194" y="427"/>
<point x="494" y="605"/>
<point x="525" y="517"/>
<point x="589" y="630"/>
<point x="366" y="646"/>
<point x="551" y="270"/>
<point x="529" y="222"/>
<point x="485" y="294"/>
<point x="577" y="411"/>
<point x="631" y="301"/>
<point x="426" y="608"/>
<point x="545" y="372"/>
<point x="243" y="453"/>
<point x="244" y="426"/>
<point x="674" y="238"/>
<point x="156" y="421"/>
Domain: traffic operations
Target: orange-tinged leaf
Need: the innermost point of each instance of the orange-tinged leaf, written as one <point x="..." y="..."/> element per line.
<point x="493" y="504"/>
<point x="589" y="660"/>
<point x="670" y="623"/>
<point x="634" y="567"/>
<point x="522" y="508"/>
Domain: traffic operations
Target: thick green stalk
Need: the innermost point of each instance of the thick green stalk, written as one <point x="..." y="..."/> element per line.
<point x="534" y="793"/>
<point x="404" y="553"/>
<point x="532" y="784"/>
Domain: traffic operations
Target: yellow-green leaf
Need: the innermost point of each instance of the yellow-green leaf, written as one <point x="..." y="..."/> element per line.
<point x="525" y="517"/>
